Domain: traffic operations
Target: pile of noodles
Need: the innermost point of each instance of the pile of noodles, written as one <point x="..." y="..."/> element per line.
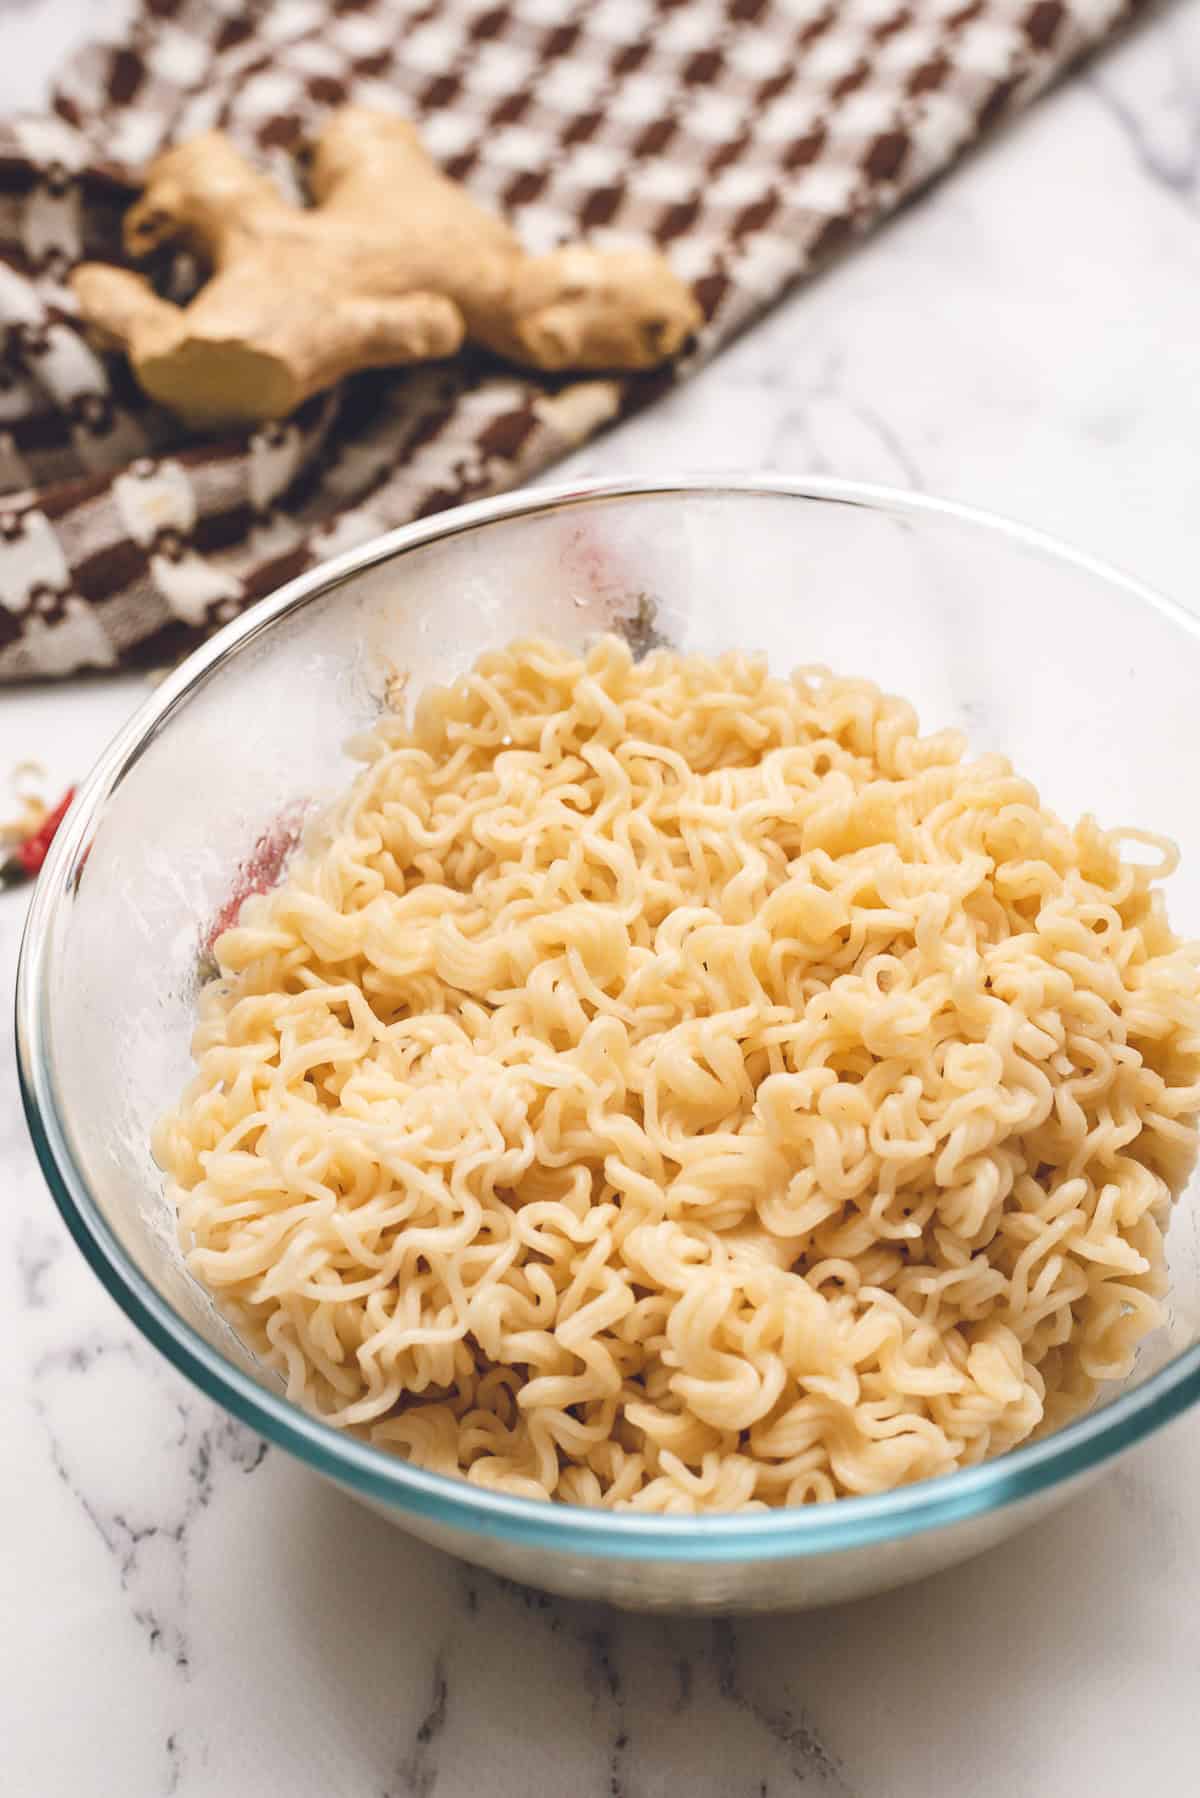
<point x="664" y="1085"/>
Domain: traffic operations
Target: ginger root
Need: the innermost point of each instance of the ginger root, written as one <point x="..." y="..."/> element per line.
<point x="394" y="263"/>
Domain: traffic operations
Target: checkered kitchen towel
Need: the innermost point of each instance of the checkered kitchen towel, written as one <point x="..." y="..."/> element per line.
<point x="747" y="137"/>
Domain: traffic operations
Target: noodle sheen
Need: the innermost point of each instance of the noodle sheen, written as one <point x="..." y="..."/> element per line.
<point x="665" y="1085"/>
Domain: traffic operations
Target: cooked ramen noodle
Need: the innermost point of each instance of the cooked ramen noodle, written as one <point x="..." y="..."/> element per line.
<point x="667" y="1086"/>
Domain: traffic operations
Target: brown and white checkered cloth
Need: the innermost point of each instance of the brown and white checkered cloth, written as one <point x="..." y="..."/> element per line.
<point x="747" y="137"/>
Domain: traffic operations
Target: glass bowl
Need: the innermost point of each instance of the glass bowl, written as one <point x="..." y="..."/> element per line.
<point x="1085" y="679"/>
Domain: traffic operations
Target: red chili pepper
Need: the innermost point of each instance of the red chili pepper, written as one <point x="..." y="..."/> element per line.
<point x="26" y="861"/>
<point x="33" y="850"/>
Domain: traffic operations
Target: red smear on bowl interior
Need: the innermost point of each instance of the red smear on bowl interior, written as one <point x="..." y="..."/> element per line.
<point x="258" y="873"/>
<point x="604" y="576"/>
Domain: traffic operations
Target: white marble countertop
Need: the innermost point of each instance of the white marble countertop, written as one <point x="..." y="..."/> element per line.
<point x="184" y="1612"/>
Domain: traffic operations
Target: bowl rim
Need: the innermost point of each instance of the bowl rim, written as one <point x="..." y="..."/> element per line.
<point x="372" y="1473"/>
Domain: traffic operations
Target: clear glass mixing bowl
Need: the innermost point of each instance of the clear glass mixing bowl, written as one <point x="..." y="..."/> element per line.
<point x="1090" y="683"/>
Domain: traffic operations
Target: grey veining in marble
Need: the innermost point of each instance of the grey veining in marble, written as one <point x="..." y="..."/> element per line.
<point x="185" y="1613"/>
